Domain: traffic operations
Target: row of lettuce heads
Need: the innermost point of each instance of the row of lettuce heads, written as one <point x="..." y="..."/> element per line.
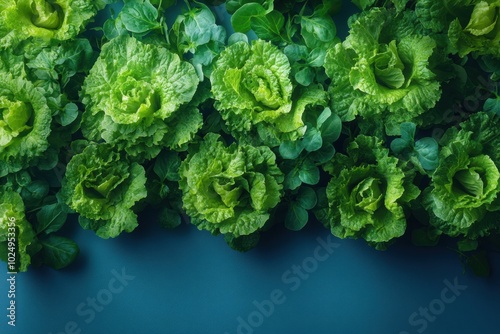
<point x="394" y="129"/>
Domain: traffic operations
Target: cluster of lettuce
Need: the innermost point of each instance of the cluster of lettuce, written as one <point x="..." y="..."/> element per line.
<point x="269" y="120"/>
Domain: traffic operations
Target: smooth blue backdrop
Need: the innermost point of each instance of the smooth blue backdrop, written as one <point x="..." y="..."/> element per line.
<point x="187" y="281"/>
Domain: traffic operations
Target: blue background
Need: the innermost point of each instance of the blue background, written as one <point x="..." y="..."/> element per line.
<point x="186" y="281"/>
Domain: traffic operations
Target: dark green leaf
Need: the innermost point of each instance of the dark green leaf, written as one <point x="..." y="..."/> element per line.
<point x="406" y="142"/>
<point x="306" y="198"/>
<point x="312" y="139"/>
<point x="268" y="26"/>
<point x="428" y="152"/>
<point x="58" y="252"/>
<point x="292" y="180"/>
<point x="318" y="30"/>
<point x="330" y="127"/>
<point x="169" y="218"/>
<point x="492" y="105"/>
<point x="305" y="76"/>
<point x="296" y="217"/>
<point x="50" y="218"/>
<point x="291" y="149"/>
<point x="323" y="155"/>
<point x="69" y="114"/>
<point x="167" y="166"/>
<point x="295" y="52"/>
<point x="316" y="57"/>
<point x="309" y="173"/>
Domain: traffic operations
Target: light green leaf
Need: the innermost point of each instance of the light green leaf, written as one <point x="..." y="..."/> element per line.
<point x="242" y="18"/>
<point x="139" y="16"/>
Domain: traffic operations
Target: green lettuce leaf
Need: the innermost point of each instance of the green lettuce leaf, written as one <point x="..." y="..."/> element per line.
<point x="24" y="123"/>
<point x="367" y="194"/>
<point x="253" y="92"/>
<point x="382" y="70"/>
<point x="12" y="216"/>
<point x="482" y="32"/>
<point x="465" y="186"/>
<point x="103" y="186"/>
<point x="44" y="19"/>
<point x="470" y="25"/>
<point x="230" y="189"/>
<point x="134" y="96"/>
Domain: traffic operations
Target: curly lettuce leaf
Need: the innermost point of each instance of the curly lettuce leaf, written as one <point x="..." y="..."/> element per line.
<point x="481" y="35"/>
<point x="134" y="96"/>
<point x="470" y="25"/>
<point x="44" y="19"/>
<point x="382" y="70"/>
<point x="253" y="90"/>
<point x="464" y="188"/>
<point x="230" y="189"/>
<point x="12" y="215"/>
<point x="102" y="186"/>
<point x="24" y="123"/>
<point x="367" y="194"/>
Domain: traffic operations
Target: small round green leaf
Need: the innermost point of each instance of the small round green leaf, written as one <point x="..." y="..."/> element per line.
<point x="291" y="149"/>
<point x="309" y="173"/>
<point x="58" y="252"/>
<point x="296" y="217"/>
<point x="306" y="198"/>
<point x="312" y="139"/>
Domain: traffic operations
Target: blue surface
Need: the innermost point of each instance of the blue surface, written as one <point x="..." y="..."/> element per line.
<point x="186" y="281"/>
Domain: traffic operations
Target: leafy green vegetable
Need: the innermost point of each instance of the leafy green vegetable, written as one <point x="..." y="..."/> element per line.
<point x="423" y="152"/>
<point x="102" y="187"/>
<point x="367" y="194"/>
<point x="471" y="26"/>
<point x="238" y="125"/>
<point x="465" y="186"/>
<point x="253" y="92"/>
<point x="230" y="189"/>
<point x="24" y="123"/>
<point x="134" y="96"/>
<point x="16" y="233"/>
<point x="44" y="19"/>
<point x="382" y="70"/>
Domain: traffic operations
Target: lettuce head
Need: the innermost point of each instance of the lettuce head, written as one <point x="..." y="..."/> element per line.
<point x="25" y="122"/>
<point x="13" y="220"/>
<point x="230" y="189"/>
<point x="44" y="19"/>
<point x="253" y="92"/>
<point x="135" y="96"/>
<point x="102" y="186"/>
<point x="471" y="26"/>
<point x="381" y="72"/>
<point x="465" y="187"/>
<point x="367" y="193"/>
